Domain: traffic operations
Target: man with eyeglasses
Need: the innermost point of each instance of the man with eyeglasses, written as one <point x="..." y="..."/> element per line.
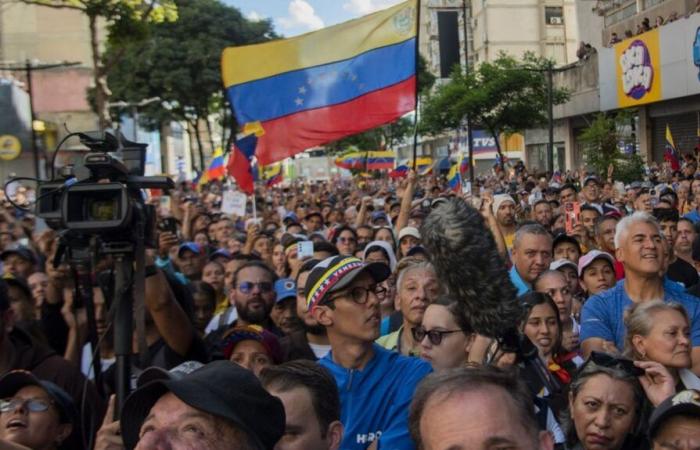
<point x="253" y="295"/>
<point x="376" y="385"/>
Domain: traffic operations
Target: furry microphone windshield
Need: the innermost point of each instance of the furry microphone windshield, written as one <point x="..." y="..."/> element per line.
<point x="465" y="257"/>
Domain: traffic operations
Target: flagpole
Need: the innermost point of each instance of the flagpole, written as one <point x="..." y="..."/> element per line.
<point x="415" y="117"/>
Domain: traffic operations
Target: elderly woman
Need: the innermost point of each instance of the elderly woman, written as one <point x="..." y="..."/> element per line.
<point x="660" y="332"/>
<point x="416" y="288"/>
<point x="37" y="414"/>
<point x="445" y="338"/>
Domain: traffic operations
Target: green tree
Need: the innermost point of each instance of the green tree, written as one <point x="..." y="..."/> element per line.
<point x="125" y="22"/>
<point x="604" y="142"/>
<point x="181" y="64"/>
<point x="503" y="96"/>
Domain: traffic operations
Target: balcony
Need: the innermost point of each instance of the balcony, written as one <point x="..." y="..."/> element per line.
<point x="627" y="15"/>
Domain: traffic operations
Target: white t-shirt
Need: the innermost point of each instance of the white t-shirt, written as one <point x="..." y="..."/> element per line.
<point x="320" y="350"/>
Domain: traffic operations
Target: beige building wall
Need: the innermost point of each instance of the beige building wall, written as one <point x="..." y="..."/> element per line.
<point x="517" y="26"/>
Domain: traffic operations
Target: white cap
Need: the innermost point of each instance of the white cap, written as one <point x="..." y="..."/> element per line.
<point x="591" y="256"/>
<point x="409" y="231"/>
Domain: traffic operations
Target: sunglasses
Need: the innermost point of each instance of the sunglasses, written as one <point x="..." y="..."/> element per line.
<point x="434" y="336"/>
<point x="607" y="360"/>
<point x="247" y="287"/>
<point x="32" y="404"/>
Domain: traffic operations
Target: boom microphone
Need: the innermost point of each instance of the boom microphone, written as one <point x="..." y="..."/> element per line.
<point x="467" y="262"/>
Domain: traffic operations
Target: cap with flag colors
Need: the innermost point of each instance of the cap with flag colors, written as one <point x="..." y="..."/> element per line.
<point x="240" y="162"/>
<point x="671" y="153"/>
<point x="311" y="89"/>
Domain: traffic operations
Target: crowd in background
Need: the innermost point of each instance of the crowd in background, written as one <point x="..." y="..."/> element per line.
<point x="344" y="335"/>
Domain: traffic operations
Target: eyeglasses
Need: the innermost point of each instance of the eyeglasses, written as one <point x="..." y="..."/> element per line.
<point x="434" y="336"/>
<point x="346" y="239"/>
<point x="247" y="287"/>
<point x="32" y="404"/>
<point x="360" y="294"/>
<point x="606" y="360"/>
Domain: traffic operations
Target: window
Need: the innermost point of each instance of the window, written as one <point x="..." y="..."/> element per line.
<point x="554" y="15"/>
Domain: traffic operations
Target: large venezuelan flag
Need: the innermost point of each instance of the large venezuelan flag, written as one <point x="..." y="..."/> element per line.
<point x="312" y="89"/>
<point x="379" y="160"/>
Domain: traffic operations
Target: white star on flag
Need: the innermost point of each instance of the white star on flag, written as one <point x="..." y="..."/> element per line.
<point x="302" y="90"/>
<point x="299" y="101"/>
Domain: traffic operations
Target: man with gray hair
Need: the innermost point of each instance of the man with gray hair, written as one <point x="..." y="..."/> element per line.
<point x="446" y="404"/>
<point x="532" y="254"/>
<point x="639" y="246"/>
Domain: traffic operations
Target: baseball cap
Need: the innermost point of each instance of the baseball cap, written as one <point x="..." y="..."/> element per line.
<point x="285" y="288"/>
<point x="378" y="215"/>
<point x="337" y="272"/>
<point x="685" y="402"/>
<point x="591" y="256"/>
<point x="252" y="333"/>
<point x="563" y="237"/>
<point x="591" y="178"/>
<point x="559" y="263"/>
<point x="191" y="246"/>
<point x="221" y="388"/>
<point x="635" y="185"/>
<point x="291" y="217"/>
<point x="154" y="373"/>
<point x="409" y="231"/>
<point x="222" y="252"/>
<point x="15" y="380"/>
<point x="417" y="250"/>
<point x="21" y="251"/>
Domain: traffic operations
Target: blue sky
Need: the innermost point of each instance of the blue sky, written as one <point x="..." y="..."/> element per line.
<point x="292" y="17"/>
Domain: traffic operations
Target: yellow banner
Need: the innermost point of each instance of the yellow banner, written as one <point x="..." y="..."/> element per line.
<point x="638" y="69"/>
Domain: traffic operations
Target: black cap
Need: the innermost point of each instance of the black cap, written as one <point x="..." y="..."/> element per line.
<point x="563" y="237"/>
<point x="221" y="388"/>
<point x="21" y="251"/>
<point x="685" y="402"/>
<point x="15" y="380"/>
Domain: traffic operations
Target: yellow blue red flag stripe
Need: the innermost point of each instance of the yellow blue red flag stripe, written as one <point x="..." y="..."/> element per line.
<point x="325" y="85"/>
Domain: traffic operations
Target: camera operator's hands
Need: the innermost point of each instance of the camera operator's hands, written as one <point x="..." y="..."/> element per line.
<point x="657" y="381"/>
<point x="109" y="435"/>
<point x="166" y="241"/>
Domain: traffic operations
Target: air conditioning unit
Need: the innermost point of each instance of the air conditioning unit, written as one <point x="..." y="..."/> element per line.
<point x="556" y="20"/>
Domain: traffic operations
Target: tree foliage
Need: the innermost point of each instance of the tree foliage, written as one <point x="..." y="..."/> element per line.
<point x="604" y="143"/>
<point x="126" y="21"/>
<point x="503" y="96"/>
<point x="181" y="63"/>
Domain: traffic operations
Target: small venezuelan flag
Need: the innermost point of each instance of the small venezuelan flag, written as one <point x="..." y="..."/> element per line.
<point x="352" y="160"/>
<point x="671" y="153"/>
<point x="319" y="87"/>
<point x="216" y="169"/>
<point x="380" y="160"/>
<point x="454" y="178"/>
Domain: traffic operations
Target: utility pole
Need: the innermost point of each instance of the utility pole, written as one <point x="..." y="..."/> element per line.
<point x="466" y="71"/>
<point x="28" y="69"/>
<point x="550" y="117"/>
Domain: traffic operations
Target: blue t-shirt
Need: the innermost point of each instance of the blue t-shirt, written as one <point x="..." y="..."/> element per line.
<point x="518" y="282"/>
<point x="375" y="400"/>
<point x="603" y="314"/>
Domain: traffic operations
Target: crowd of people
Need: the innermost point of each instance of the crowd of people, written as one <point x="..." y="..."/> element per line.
<point x="318" y="321"/>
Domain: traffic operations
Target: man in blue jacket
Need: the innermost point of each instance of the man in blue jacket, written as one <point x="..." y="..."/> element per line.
<point x="376" y="386"/>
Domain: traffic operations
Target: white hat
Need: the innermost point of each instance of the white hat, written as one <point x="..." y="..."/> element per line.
<point x="591" y="256"/>
<point x="499" y="199"/>
<point x="409" y="231"/>
<point x="559" y="263"/>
